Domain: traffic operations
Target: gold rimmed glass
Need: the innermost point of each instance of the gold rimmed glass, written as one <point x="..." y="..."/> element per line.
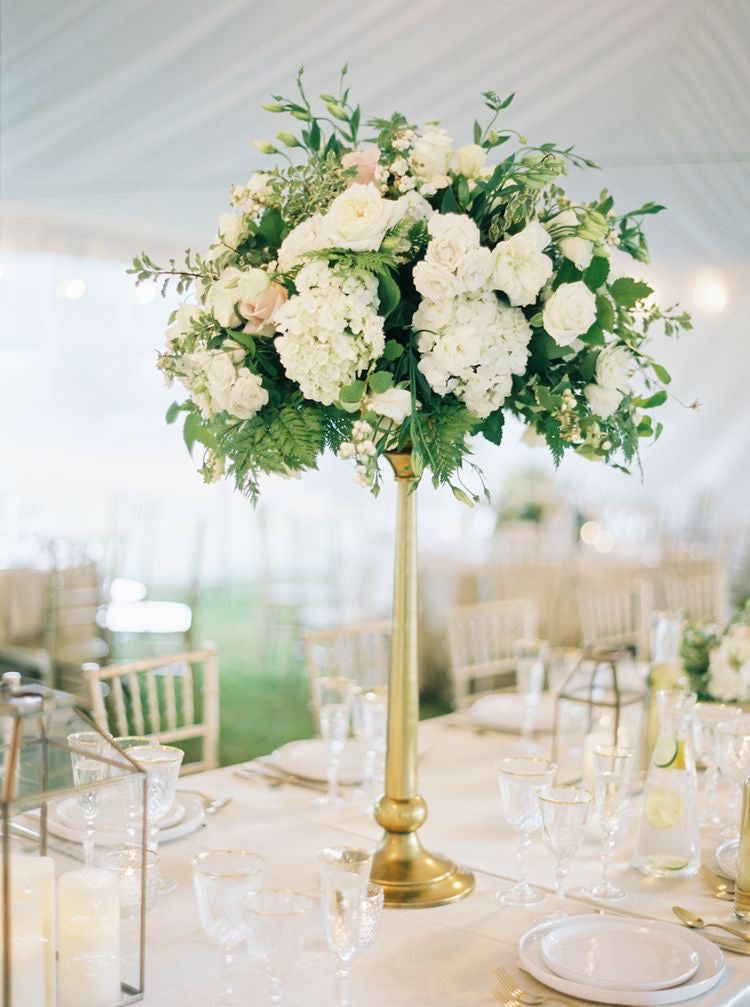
<point x="222" y="879"/>
<point x="520" y="779"/>
<point x="161" y="764"/>
<point x="334" y="696"/>
<point x="344" y="873"/>
<point x="276" y="920"/>
<point x="564" y="811"/>
<point x="86" y="747"/>
<point x="706" y="717"/>
<point x="613" y="768"/>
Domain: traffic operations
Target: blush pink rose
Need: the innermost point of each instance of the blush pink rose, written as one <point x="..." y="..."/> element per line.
<point x="365" y="161"/>
<point x="259" y="314"/>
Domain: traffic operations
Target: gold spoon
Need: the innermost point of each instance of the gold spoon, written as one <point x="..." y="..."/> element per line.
<point x="697" y="923"/>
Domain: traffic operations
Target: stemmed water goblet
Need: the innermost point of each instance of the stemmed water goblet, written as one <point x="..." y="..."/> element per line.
<point x="530" y="659"/>
<point x="222" y="879"/>
<point x="276" y="920"/>
<point x="369" y="724"/>
<point x="520" y="779"/>
<point x="564" y="812"/>
<point x="88" y="770"/>
<point x="733" y="741"/>
<point x="161" y="764"/>
<point x="333" y="695"/>
<point x="343" y="874"/>
<point x="131" y="788"/>
<point x="613" y="767"/>
<point x="706" y="717"/>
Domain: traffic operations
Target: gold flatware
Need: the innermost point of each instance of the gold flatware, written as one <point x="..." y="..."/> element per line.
<point x="696" y="922"/>
<point x="511" y="994"/>
<point x="721" y="887"/>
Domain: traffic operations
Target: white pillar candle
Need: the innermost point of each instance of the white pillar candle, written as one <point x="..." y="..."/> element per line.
<point x="89" y="938"/>
<point x="32" y="931"/>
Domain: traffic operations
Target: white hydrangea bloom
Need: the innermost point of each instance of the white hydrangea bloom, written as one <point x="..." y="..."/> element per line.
<point x="330" y="330"/>
<point x="729" y="667"/>
<point x="520" y="266"/>
<point x="472" y="345"/>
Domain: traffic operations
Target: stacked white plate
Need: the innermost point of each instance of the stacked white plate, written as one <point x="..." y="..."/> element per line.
<point x="308" y="760"/>
<point x="504" y="712"/>
<point x="64" y="819"/>
<point x="628" y="962"/>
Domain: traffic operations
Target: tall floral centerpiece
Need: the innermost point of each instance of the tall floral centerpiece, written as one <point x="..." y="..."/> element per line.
<point x="718" y="660"/>
<point x="394" y="296"/>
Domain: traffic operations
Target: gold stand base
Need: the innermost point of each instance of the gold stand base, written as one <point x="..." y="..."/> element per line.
<point x="412" y="878"/>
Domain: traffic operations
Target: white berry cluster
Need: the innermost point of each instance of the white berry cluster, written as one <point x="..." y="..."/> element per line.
<point x="330" y="330"/>
<point x="254" y="195"/>
<point x="470" y="342"/>
<point x="362" y="449"/>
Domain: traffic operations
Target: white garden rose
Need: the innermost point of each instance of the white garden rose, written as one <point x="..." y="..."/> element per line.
<point x="435" y="282"/>
<point x="220" y="376"/>
<point x="431" y="154"/>
<point x="475" y="269"/>
<point x="469" y="160"/>
<point x="234" y="285"/>
<point x="569" y="312"/>
<point x="395" y="404"/>
<point x="358" y="219"/>
<point x="520" y="266"/>
<point x="614" y="367"/>
<point x="246" y="396"/>
<point x="577" y="250"/>
<point x="729" y="667"/>
<point x="182" y="325"/>
<point x="231" y="228"/>
<point x="602" y="401"/>
<point x="305" y="237"/>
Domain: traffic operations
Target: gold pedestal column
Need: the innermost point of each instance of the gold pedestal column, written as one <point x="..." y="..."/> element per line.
<point x="410" y="876"/>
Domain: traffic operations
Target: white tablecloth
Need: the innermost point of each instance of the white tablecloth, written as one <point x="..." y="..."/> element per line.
<point x="423" y="958"/>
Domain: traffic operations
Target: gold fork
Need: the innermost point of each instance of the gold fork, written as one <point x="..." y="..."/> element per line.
<point x="511" y="995"/>
<point x="721" y="887"/>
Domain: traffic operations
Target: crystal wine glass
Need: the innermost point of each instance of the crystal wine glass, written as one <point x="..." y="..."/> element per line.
<point x="222" y="879"/>
<point x="613" y="767"/>
<point x="132" y="788"/>
<point x="705" y="718"/>
<point x="162" y="767"/>
<point x="563" y="816"/>
<point x="343" y="873"/>
<point x="334" y="695"/>
<point x="733" y="740"/>
<point x="276" y="920"/>
<point x="530" y="659"/>
<point x="88" y="770"/>
<point x="520" y="779"/>
<point x="369" y="723"/>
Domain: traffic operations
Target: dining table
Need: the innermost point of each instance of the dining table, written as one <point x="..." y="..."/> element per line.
<point x="432" y="957"/>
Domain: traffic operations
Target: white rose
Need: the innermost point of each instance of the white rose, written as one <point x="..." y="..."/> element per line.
<point x="246" y="396"/>
<point x="220" y="376"/>
<point x="235" y="285"/>
<point x="431" y="153"/>
<point x="475" y="268"/>
<point x="395" y="403"/>
<point x="182" y="325"/>
<point x="614" y="367"/>
<point x="455" y="227"/>
<point x="469" y="160"/>
<point x="358" y="219"/>
<point x="305" y="237"/>
<point x="603" y="401"/>
<point x="520" y="266"/>
<point x="434" y="282"/>
<point x="570" y="312"/>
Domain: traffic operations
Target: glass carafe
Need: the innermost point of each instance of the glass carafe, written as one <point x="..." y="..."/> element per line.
<point x="668" y="834"/>
<point x="665" y="672"/>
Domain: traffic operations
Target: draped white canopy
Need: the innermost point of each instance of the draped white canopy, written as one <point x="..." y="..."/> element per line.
<point x="124" y="123"/>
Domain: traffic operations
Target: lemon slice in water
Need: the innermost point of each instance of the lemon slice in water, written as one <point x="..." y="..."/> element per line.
<point x="664" y="808"/>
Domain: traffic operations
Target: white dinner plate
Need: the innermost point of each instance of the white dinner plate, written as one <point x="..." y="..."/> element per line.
<point x="308" y="760"/>
<point x="503" y="711"/>
<point x="710" y="968"/>
<point x="623" y="955"/>
<point x="111" y="814"/>
<point x="726" y="858"/>
<point x="187" y="816"/>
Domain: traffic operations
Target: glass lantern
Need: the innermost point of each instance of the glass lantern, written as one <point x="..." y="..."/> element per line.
<point x="69" y="933"/>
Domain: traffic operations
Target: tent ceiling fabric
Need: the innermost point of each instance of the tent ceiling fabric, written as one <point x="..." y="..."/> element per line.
<point x="123" y="124"/>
